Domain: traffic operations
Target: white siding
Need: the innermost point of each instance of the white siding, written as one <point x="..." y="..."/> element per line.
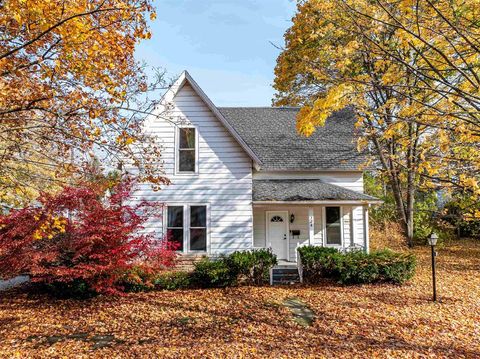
<point x="300" y="223"/>
<point x="224" y="178"/>
<point x="350" y="228"/>
<point x="358" y="225"/>
<point x="352" y="180"/>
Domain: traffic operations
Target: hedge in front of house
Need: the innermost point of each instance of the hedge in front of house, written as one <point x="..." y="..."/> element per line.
<point x="356" y="267"/>
<point x="252" y="267"/>
<point x="395" y="267"/>
<point x="242" y="267"/>
<point x="319" y="263"/>
<point x="210" y="273"/>
<point x="173" y="280"/>
<point x="141" y="279"/>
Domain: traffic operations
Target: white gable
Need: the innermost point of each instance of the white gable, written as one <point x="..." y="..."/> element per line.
<point x="196" y="91"/>
<point x="224" y="178"/>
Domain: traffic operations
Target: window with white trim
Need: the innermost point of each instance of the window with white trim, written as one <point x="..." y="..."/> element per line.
<point x="198" y="228"/>
<point x="186" y="150"/>
<point x="175" y="226"/>
<point x="333" y="226"/>
<point x="186" y="226"/>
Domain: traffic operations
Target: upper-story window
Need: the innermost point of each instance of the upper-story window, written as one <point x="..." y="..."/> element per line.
<point x="187" y="150"/>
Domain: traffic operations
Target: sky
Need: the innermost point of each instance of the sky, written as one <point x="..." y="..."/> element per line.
<point x="226" y="45"/>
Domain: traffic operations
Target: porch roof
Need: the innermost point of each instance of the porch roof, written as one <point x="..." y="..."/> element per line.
<point x="305" y="190"/>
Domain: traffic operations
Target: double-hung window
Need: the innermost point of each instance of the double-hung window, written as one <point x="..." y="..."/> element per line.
<point x="333" y="226"/>
<point x="186" y="150"/>
<point x="175" y="229"/>
<point x="187" y="227"/>
<point x="198" y="228"/>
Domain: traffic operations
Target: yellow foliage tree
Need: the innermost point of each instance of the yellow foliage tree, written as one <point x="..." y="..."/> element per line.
<point x="410" y="70"/>
<point x="69" y="85"/>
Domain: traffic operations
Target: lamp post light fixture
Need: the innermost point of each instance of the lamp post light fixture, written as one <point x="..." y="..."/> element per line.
<point x="433" y="242"/>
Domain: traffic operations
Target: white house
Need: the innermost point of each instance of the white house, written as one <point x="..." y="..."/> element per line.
<point x="242" y="178"/>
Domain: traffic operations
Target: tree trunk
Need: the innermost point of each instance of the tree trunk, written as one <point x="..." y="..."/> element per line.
<point x="401" y="210"/>
<point x="410" y="185"/>
<point x="409" y="217"/>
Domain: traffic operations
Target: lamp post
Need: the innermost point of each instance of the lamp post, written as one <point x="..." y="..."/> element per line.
<point x="433" y="242"/>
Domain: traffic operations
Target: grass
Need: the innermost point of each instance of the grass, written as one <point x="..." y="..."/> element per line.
<point x="358" y="321"/>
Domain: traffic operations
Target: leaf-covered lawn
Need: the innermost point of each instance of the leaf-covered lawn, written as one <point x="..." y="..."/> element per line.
<point x="359" y="321"/>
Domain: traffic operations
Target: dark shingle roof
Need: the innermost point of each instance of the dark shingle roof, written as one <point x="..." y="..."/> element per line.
<point x="270" y="132"/>
<point x="304" y="190"/>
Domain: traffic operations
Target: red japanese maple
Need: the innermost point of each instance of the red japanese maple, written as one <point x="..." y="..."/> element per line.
<point x="81" y="234"/>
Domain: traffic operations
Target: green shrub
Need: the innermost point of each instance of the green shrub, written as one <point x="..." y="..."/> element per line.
<point x="245" y="267"/>
<point x="251" y="267"/>
<point x="213" y="273"/>
<point x="137" y="279"/>
<point x="395" y="267"/>
<point x="356" y="267"/>
<point x="141" y="279"/>
<point x="381" y="266"/>
<point x="319" y="263"/>
<point x="173" y="280"/>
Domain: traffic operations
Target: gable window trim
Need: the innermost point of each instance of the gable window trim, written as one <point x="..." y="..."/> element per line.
<point x="187" y="227"/>
<point x="324" y="228"/>
<point x="177" y="171"/>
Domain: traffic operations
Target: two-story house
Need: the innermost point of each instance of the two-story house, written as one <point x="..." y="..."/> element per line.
<point x="242" y="178"/>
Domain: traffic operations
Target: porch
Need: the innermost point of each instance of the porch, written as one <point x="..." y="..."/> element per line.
<point x="292" y="213"/>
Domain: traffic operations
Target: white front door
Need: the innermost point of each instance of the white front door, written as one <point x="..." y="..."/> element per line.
<point x="277" y="233"/>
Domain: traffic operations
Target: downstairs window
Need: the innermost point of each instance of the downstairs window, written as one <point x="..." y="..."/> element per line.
<point x="333" y="230"/>
<point x="187" y="227"/>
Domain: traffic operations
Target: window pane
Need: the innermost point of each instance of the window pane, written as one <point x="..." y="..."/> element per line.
<point x="187" y="160"/>
<point x="176" y="236"/>
<point x="334" y="233"/>
<point x="175" y="216"/>
<point x="332" y="214"/>
<point x="187" y="138"/>
<point x="198" y="216"/>
<point x="198" y="239"/>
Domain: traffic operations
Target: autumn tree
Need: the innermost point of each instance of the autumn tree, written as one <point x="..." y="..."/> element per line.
<point x="91" y="233"/>
<point x="371" y="54"/>
<point x="69" y="86"/>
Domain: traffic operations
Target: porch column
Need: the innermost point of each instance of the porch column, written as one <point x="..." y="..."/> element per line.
<point x="365" y="227"/>
<point x="311" y="223"/>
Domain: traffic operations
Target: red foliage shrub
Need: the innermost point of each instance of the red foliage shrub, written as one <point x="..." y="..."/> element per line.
<point x="81" y="234"/>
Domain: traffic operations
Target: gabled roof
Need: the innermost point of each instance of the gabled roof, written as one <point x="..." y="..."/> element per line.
<point x="186" y="78"/>
<point x="305" y="190"/>
<point x="268" y="135"/>
<point x="270" y="132"/>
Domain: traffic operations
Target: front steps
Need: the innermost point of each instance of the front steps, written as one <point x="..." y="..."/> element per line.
<point x="284" y="275"/>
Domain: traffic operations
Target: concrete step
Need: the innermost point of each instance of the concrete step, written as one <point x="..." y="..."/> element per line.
<point x="285" y="282"/>
<point x="286" y="266"/>
<point x="285" y="276"/>
<point x="285" y="270"/>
